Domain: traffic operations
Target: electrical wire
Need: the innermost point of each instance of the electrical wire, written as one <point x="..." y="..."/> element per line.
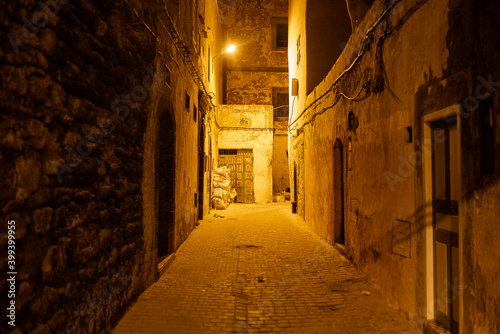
<point x="360" y="53"/>
<point x="144" y="23"/>
<point x="291" y="110"/>
<point x="249" y="110"/>
<point x="243" y="128"/>
<point x="355" y="98"/>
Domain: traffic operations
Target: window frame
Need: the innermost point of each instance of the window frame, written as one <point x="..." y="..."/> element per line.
<point x="276" y="91"/>
<point x="275" y="21"/>
<point x="187" y="102"/>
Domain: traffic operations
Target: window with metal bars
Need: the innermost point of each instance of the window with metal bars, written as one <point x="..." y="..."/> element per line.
<point x="231" y="151"/>
<point x="228" y="151"/>
<point x="279" y="33"/>
<point x="282" y="35"/>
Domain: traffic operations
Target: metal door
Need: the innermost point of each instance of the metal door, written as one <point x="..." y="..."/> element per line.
<point x="446" y="181"/>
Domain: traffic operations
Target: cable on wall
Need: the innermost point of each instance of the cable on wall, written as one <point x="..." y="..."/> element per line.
<point x="140" y="18"/>
<point x="250" y="110"/>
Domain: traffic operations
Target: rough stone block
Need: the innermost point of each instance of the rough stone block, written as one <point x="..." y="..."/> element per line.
<point x="38" y="87"/>
<point x="39" y="59"/>
<point x="28" y="173"/>
<point x="8" y="180"/>
<point x="13" y="79"/>
<point x="42" y="219"/>
<point x="85" y="245"/>
<point x="35" y="133"/>
<point x="53" y="263"/>
<point x="25" y="295"/>
<point x="10" y="137"/>
<point x="104" y="239"/>
<point x="48" y="41"/>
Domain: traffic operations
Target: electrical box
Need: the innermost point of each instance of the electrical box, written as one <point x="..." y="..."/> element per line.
<point x="295" y="87"/>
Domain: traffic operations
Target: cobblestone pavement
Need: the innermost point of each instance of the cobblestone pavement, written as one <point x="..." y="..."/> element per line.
<point x="260" y="270"/>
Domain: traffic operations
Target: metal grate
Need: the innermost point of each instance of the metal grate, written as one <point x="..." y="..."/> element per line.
<point x="228" y="151"/>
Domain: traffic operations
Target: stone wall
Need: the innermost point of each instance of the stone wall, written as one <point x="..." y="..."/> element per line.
<point x="83" y="85"/>
<point x="74" y="101"/>
<point x="427" y="60"/>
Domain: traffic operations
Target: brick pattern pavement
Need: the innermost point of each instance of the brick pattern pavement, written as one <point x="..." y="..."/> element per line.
<point x="260" y="270"/>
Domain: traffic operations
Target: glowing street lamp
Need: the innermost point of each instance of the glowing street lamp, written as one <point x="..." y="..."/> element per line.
<point x="230" y="49"/>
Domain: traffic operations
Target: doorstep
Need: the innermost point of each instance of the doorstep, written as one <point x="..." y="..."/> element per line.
<point x="163" y="265"/>
<point x="432" y="327"/>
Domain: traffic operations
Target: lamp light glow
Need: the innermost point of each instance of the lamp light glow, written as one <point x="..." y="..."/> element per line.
<point x="229" y="49"/>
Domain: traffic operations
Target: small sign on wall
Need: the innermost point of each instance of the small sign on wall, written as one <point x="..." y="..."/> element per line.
<point x="244" y="121"/>
<point x="401" y="238"/>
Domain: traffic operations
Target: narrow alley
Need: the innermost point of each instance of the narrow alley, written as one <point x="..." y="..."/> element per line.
<point x="260" y="269"/>
<point x="349" y="148"/>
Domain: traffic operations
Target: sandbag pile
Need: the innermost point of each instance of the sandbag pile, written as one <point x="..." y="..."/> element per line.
<point x="222" y="195"/>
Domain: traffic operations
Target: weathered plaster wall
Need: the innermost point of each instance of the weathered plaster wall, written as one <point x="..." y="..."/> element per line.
<point x="253" y="87"/>
<point x="211" y="38"/>
<point x="254" y="68"/>
<point x="257" y="135"/>
<point x="170" y="98"/>
<point x="429" y="62"/>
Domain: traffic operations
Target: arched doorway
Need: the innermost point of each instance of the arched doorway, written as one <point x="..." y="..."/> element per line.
<point x="201" y="164"/>
<point x="338" y="192"/>
<point x="166" y="184"/>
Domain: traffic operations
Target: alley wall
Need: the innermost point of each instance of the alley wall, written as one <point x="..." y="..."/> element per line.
<point x="426" y="62"/>
<point x="83" y="90"/>
<point x="75" y="97"/>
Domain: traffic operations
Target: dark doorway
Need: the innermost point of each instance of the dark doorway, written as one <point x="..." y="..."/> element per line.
<point x="338" y="192"/>
<point x="201" y="165"/>
<point x="166" y="185"/>
<point x="446" y="194"/>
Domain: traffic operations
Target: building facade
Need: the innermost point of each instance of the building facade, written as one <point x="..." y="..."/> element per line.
<point x="257" y="74"/>
<point x="398" y="101"/>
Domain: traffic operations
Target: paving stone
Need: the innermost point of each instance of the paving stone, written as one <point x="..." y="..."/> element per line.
<point x="306" y="286"/>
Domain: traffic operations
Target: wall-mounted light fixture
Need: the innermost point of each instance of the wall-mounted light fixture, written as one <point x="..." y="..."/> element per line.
<point x="295" y="87"/>
<point x="230" y="49"/>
